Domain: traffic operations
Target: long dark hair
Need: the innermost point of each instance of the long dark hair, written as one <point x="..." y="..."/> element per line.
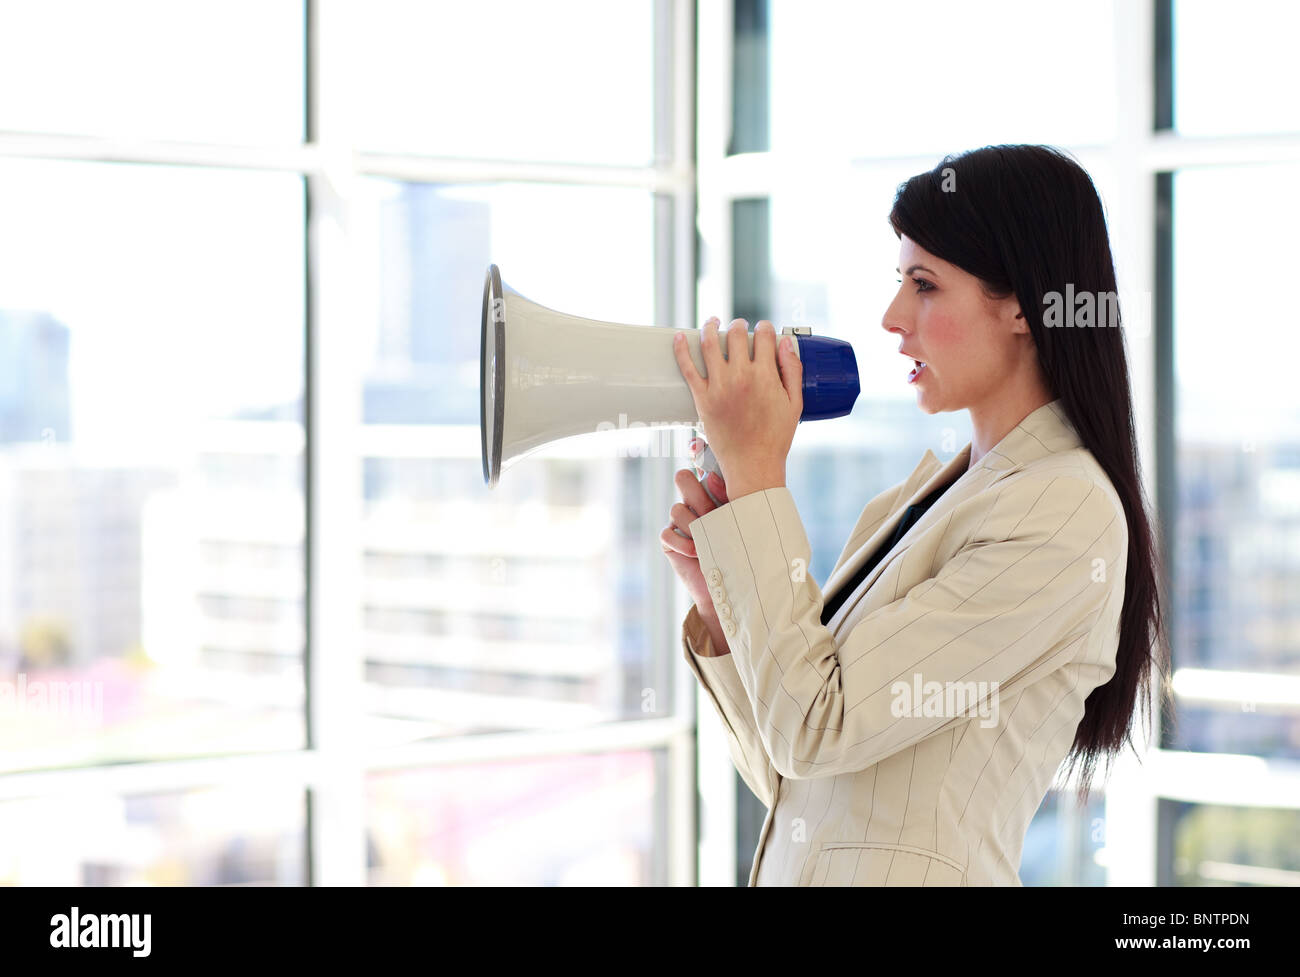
<point x="1027" y="220"/>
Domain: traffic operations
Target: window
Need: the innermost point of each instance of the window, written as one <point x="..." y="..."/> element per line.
<point x="245" y="541"/>
<point x="152" y="318"/>
<point x="828" y="107"/>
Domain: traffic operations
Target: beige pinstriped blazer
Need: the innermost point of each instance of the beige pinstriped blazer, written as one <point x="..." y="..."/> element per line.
<point x="1005" y="595"/>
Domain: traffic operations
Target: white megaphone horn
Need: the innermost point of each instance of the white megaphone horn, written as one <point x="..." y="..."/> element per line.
<point x="546" y="375"/>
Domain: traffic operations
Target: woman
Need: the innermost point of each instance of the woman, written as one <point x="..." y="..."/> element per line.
<point x="989" y="615"/>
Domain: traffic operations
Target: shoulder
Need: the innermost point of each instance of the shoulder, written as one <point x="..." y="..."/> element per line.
<point x="1066" y="493"/>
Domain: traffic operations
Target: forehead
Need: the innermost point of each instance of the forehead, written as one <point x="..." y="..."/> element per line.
<point x="909" y="252"/>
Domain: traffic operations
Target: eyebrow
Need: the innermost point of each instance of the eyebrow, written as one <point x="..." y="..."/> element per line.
<point x="912" y="268"/>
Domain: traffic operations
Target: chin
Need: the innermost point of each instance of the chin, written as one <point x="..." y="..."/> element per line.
<point x="928" y="403"/>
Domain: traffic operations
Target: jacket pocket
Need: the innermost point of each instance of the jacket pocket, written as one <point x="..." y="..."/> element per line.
<point x="883" y="863"/>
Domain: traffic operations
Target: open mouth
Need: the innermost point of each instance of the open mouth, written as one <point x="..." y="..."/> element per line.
<point x="917" y="370"/>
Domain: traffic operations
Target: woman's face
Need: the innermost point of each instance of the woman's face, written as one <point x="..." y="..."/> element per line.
<point x="972" y="346"/>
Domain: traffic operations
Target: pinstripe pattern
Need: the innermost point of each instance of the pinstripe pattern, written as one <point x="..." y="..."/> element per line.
<point x="1015" y="576"/>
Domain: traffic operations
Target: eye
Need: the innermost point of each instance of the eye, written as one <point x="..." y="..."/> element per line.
<point x="919" y="282"/>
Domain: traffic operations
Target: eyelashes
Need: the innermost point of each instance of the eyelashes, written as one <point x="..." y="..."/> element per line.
<point x="919" y="282"/>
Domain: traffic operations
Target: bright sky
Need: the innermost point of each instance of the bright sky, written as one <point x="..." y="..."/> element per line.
<point x="182" y="289"/>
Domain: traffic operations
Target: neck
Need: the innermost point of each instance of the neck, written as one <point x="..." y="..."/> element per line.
<point x="994" y="419"/>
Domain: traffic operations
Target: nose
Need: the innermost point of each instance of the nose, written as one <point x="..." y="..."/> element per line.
<point x="893" y="319"/>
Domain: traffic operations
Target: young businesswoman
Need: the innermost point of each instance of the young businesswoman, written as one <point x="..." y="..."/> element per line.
<point x="991" y="615"/>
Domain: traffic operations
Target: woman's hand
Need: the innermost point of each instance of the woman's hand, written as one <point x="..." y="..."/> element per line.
<point x="679" y="547"/>
<point x="750" y="408"/>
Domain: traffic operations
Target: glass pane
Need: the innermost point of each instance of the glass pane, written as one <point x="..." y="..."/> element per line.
<point x="208" y="71"/>
<point x="195" y="837"/>
<point x="506" y="79"/>
<point x="1210" y="844"/>
<point x="580" y="820"/>
<point x="151" y="377"/>
<point x="528" y="605"/>
<point x="1065" y="844"/>
<point x="1235" y="70"/>
<point x="1236" y="561"/>
<point x="875" y="80"/>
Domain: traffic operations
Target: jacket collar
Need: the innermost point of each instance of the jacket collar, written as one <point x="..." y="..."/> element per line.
<point x="1043" y="431"/>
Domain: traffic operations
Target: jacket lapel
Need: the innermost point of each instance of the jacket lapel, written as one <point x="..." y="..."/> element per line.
<point x="925" y="478"/>
<point x="1043" y="431"/>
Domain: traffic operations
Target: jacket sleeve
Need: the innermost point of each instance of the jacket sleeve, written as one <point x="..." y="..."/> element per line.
<point x="1021" y="589"/>
<point x="718" y="678"/>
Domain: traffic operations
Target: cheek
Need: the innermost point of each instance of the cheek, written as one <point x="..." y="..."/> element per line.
<point x="957" y="338"/>
<point x="944" y="338"/>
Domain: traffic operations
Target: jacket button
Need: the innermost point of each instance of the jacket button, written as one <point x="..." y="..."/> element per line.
<point x="715" y="576"/>
<point x="724" y="610"/>
<point x="719" y="594"/>
<point x="729" y="627"/>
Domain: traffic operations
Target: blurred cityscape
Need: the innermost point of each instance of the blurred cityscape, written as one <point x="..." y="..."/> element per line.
<point x="178" y="591"/>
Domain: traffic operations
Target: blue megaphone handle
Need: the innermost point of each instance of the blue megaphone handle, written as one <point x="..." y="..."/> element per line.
<point x="830" y="377"/>
<point x="830" y="388"/>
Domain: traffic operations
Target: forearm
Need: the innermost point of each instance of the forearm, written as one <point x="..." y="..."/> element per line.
<point x="757" y="481"/>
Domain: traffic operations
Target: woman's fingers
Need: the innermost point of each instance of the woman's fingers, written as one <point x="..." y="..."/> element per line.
<point x="693" y="493"/>
<point x="682" y="516"/>
<point x="671" y="540"/>
<point x="695" y="503"/>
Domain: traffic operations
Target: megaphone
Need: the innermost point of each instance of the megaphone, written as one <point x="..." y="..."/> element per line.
<point x="546" y="375"/>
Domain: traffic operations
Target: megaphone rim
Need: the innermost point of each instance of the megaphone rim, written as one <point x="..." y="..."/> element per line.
<point x="492" y="295"/>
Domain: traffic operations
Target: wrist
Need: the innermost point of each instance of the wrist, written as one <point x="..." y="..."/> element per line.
<point x="748" y="486"/>
<point x="711" y="627"/>
<point x="717" y="639"/>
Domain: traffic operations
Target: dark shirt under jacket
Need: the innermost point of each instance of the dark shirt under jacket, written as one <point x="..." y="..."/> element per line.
<point x="913" y="513"/>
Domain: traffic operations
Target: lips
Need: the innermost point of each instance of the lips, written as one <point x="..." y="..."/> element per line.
<point x="917" y="368"/>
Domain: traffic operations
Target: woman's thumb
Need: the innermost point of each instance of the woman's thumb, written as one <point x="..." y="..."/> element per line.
<point x="791" y="367"/>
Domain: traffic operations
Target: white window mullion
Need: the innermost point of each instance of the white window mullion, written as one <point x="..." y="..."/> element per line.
<point x="308" y="768"/>
<point x="100" y="149"/>
<point x="433" y="169"/>
<point x="1130" y="804"/>
<point x="674" y="301"/>
<point x="717" y="775"/>
<point x="336" y="672"/>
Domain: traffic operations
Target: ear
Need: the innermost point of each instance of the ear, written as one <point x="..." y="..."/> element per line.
<point x="1006" y="310"/>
